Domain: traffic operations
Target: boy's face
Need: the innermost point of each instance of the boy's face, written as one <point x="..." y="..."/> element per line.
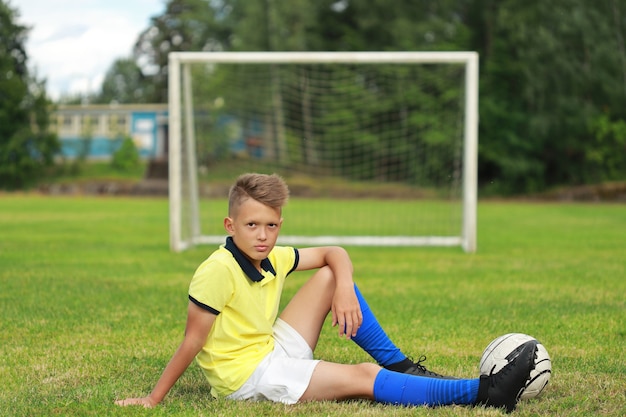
<point x="254" y="228"/>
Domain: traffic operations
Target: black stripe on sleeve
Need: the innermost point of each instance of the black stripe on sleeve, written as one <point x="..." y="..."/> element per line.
<point x="203" y="306"/>
<point x="296" y="261"/>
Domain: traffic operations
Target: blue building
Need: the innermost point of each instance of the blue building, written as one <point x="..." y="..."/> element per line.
<point x="97" y="131"/>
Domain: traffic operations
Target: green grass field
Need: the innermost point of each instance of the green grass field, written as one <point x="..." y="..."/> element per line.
<point x="93" y="304"/>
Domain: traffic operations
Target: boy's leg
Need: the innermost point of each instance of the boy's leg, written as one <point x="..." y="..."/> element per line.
<point x="307" y="318"/>
<point x="500" y="390"/>
<point x="373" y="339"/>
<point x="335" y="381"/>
<point x="331" y="381"/>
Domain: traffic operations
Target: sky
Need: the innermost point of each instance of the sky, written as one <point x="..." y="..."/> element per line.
<point x="72" y="43"/>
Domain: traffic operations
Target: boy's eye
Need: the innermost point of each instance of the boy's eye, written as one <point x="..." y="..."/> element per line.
<point x="270" y="225"/>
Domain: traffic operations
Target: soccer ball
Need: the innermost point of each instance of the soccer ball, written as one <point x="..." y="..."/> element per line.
<point x="498" y="353"/>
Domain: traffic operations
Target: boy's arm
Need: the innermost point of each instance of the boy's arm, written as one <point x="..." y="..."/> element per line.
<point x="345" y="308"/>
<point x="199" y="323"/>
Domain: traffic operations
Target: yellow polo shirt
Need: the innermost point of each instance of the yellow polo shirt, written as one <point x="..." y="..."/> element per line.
<point x="246" y="303"/>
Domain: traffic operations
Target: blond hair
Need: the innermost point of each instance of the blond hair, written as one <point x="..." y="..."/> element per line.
<point x="270" y="190"/>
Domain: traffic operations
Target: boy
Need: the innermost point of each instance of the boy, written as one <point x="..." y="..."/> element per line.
<point x="246" y="352"/>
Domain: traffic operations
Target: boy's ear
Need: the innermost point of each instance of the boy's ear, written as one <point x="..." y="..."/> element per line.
<point x="228" y="225"/>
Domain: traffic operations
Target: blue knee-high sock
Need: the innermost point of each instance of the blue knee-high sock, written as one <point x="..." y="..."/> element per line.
<point x="403" y="389"/>
<point x="373" y="339"/>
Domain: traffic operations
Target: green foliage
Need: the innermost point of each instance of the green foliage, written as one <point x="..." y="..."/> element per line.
<point x="410" y="101"/>
<point x="608" y="155"/>
<point x="553" y="78"/>
<point x="185" y="25"/>
<point x="126" y="157"/>
<point x="125" y="83"/>
<point x="93" y="305"/>
<point x="26" y="145"/>
<point x="549" y="71"/>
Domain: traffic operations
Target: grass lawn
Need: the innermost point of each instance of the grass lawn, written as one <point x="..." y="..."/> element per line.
<point x="93" y="304"/>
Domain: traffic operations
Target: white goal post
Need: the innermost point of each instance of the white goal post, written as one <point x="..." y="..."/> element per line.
<point x="184" y="195"/>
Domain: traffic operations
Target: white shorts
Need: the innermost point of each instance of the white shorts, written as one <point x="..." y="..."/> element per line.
<point x="285" y="373"/>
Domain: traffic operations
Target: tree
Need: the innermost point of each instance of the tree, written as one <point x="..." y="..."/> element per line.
<point x="551" y="72"/>
<point x="26" y="145"/>
<point x="125" y="83"/>
<point x="186" y="25"/>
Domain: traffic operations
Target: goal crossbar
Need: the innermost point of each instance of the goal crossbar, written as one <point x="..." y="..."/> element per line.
<point x="178" y="69"/>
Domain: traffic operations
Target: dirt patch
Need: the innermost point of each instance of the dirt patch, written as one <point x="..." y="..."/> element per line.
<point x="613" y="192"/>
<point x="108" y="187"/>
<point x="158" y="187"/>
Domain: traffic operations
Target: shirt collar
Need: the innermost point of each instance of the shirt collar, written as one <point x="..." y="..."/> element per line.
<point x="245" y="264"/>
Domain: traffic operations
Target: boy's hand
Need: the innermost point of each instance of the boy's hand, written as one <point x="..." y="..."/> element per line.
<point x="346" y="312"/>
<point x="147" y="402"/>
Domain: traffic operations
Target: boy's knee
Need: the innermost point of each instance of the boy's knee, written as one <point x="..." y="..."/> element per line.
<point x="368" y="370"/>
<point x="326" y="272"/>
<point x="325" y="275"/>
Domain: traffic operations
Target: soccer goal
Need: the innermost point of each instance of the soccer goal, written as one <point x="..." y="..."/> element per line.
<point x="378" y="148"/>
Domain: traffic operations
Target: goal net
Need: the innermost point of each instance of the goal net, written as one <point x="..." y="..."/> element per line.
<point x="378" y="148"/>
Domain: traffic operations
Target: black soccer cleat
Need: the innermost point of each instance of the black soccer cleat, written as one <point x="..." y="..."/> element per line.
<point x="416" y="368"/>
<point x="503" y="388"/>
